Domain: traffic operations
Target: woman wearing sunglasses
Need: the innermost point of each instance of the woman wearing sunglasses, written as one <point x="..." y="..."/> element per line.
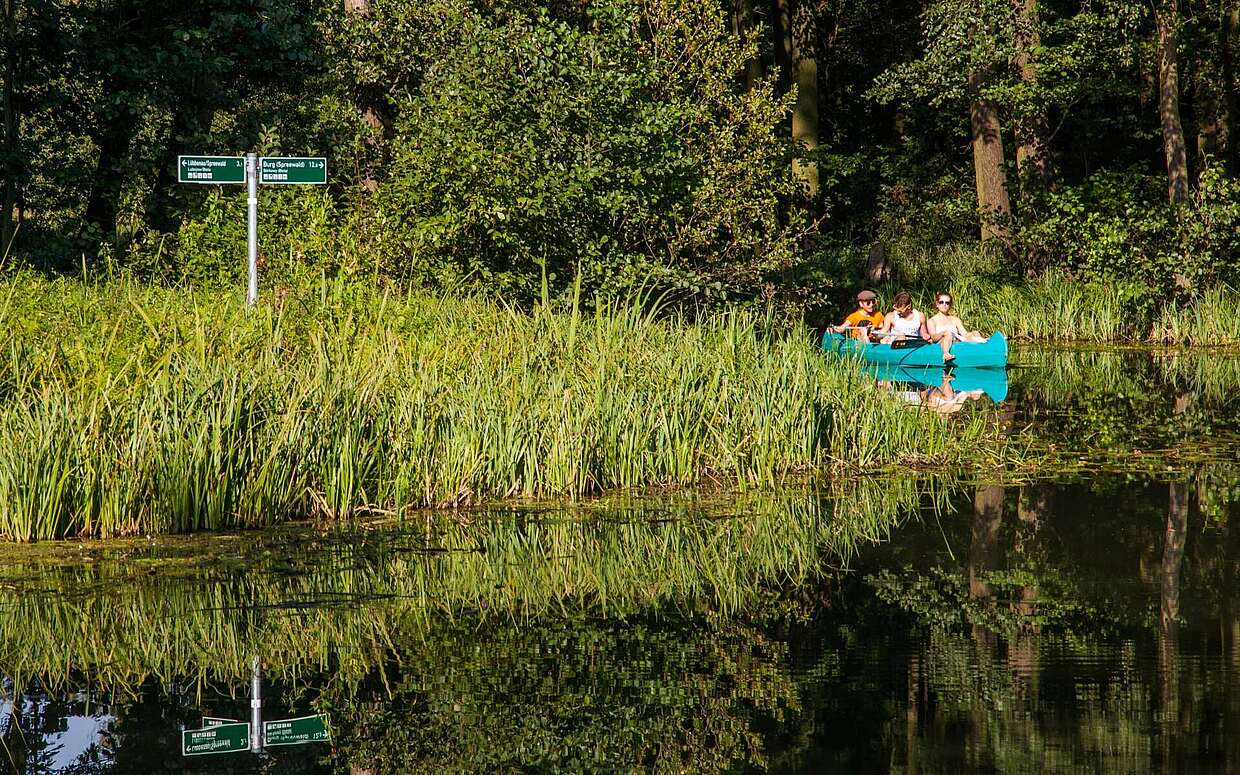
<point x="946" y="328"/>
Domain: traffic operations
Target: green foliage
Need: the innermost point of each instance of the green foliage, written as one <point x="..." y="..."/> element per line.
<point x="960" y="37"/>
<point x="620" y="149"/>
<point x="611" y="144"/>
<point x="1118" y="225"/>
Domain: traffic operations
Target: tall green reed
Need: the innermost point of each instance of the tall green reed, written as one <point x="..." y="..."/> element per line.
<point x="133" y="409"/>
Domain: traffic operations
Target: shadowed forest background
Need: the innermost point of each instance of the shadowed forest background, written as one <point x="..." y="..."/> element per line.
<point x="718" y="151"/>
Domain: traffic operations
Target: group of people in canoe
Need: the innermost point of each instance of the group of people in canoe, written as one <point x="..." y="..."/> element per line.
<point x="904" y="322"/>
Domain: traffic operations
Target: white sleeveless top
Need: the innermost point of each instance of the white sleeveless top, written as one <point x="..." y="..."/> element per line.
<point x="909" y="326"/>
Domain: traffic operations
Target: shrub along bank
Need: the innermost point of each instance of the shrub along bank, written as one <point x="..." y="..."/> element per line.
<point x="127" y="409"/>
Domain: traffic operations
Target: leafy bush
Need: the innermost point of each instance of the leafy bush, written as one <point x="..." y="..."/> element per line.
<point x="622" y="146"/>
<point x="1117" y="225"/>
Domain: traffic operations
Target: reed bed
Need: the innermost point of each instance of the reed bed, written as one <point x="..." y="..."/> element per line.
<point x="129" y="410"/>
<point x="189" y="612"/>
<point x="1212" y="319"/>
<point x="1055" y="308"/>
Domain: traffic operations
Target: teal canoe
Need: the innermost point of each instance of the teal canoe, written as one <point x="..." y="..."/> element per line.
<point x="991" y="354"/>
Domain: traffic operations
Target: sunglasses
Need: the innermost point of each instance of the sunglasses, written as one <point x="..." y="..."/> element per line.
<point x="944" y="302"/>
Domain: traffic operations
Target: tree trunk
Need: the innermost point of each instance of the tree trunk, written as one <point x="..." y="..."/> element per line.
<point x="992" y="193"/>
<point x="805" y="112"/>
<point x="1167" y="21"/>
<point x="9" y="195"/>
<point x="1229" y="29"/>
<point x="374" y="115"/>
<point x="781" y="42"/>
<point x="104" y="199"/>
<point x="1033" y="153"/>
<point x="1210" y="140"/>
<point x="191" y="117"/>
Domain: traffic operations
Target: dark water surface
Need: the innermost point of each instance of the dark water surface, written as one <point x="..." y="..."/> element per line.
<point x="1078" y="615"/>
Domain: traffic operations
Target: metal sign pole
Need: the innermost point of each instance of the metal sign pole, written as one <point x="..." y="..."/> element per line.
<point x="251" y="180"/>
<point x="256" y="682"/>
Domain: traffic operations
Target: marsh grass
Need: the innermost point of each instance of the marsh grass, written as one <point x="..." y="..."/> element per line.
<point x="130" y="409"/>
<point x="1212" y="319"/>
<point x="1055" y="308"/>
<point x="1059" y="307"/>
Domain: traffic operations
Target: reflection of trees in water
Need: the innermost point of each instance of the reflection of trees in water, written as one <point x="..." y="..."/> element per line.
<point x="1041" y="646"/>
<point x="637" y="694"/>
<point x="1170" y="713"/>
<point x="1041" y="665"/>
<point x="1089" y="403"/>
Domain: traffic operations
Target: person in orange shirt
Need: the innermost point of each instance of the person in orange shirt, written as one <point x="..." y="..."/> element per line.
<point x="866" y="316"/>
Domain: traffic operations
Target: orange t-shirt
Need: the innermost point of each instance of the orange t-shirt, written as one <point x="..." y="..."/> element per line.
<point x="858" y="318"/>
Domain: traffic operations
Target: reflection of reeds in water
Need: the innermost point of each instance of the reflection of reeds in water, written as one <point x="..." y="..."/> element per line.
<point x="345" y="604"/>
<point x="1059" y="376"/>
<point x="1211" y="376"/>
<point x="130" y="410"/>
<point x="1062" y="375"/>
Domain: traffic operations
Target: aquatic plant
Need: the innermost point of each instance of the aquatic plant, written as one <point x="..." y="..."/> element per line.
<point x="130" y="409"/>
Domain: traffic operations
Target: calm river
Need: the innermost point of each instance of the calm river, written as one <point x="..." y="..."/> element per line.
<point x="1080" y="614"/>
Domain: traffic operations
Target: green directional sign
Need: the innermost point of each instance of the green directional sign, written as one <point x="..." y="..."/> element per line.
<point x="295" y="731"/>
<point x="210" y="169"/>
<point x="222" y="738"/>
<point x="292" y="169"/>
<point x="212" y="721"/>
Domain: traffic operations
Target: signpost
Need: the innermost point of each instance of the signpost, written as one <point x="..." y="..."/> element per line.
<point x="295" y="731"/>
<point x="283" y="170"/>
<point x="222" y="738"/>
<point x="212" y="721"/>
<point x="252" y="170"/>
<point x="210" y="169"/>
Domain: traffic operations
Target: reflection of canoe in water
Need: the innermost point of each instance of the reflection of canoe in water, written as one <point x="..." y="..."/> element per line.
<point x="992" y="382"/>
<point x="989" y="354"/>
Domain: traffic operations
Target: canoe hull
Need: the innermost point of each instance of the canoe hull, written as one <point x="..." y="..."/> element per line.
<point x="991" y="354"/>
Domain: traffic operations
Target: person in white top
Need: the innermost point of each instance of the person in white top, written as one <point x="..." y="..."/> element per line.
<point x="903" y="322"/>
<point x="946" y="328"/>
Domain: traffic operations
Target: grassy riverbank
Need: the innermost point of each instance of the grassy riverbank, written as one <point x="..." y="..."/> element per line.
<point x="1057" y="307"/>
<point x="133" y="410"/>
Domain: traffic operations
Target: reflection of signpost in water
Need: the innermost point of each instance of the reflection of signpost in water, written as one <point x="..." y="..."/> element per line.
<point x="252" y="170"/>
<point x="295" y="731"/>
<point x="223" y="735"/>
<point x="221" y="738"/>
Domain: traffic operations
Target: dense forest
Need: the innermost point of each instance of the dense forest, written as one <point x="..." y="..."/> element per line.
<point x="717" y="150"/>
